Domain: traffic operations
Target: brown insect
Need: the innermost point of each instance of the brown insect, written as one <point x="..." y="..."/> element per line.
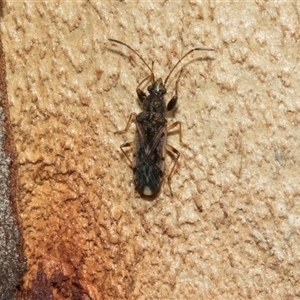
<point x="150" y="144"/>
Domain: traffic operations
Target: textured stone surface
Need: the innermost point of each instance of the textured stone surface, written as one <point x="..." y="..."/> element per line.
<point x="232" y="228"/>
<point x="12" y="262"/>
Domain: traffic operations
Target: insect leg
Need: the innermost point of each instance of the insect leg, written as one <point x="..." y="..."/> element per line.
<point x="125" y="145"/>
<point x="130" y="121"/>
<point x="177" y="154"/>
<point x="142" y="95"/>
<point x="173" y="125"/>
<point x="139" y="92"/>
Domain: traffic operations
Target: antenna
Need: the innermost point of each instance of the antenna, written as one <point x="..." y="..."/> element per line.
<point x="116" y="41"/>
<point x="192" y="50"/>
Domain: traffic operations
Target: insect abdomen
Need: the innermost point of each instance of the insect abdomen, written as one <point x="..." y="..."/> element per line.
<point x="149" y="156"/>
<point x="147" y="178"/>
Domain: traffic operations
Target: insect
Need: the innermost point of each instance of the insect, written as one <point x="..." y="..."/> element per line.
<point x="150" y="144"/>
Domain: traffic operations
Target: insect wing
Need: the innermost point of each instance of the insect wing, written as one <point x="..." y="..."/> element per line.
<point x="148" y="160"/>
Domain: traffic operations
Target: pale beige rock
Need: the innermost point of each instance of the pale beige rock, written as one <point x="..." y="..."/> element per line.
<point x="231" y="231"/>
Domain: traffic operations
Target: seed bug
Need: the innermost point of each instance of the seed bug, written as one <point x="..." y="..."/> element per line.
<point x="150" y="144"/>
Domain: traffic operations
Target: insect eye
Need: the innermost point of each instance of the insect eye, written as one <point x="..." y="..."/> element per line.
<point x="162" y="90"/>
<point x="150" y="88"/>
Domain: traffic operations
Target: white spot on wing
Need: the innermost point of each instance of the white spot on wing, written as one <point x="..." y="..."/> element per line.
<point x="147" y="191"/>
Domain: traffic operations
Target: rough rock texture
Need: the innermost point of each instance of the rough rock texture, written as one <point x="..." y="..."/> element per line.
<point x="232" y="228"/>
<point x="12" y="261"/>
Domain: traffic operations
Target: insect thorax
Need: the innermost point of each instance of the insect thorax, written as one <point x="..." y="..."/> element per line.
<point x="150" y="123"/>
